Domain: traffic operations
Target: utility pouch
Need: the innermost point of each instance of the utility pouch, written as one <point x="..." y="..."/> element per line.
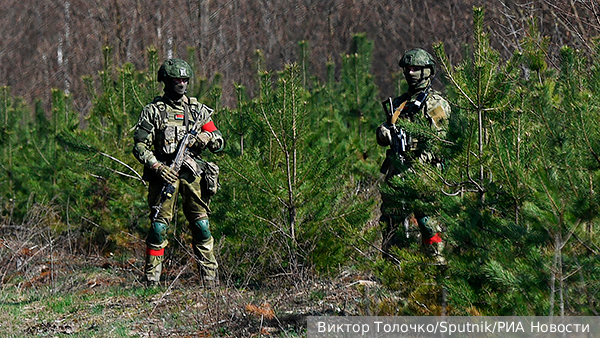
<point x="170" y="140"/>
<point x="193" y="166"/>
<point x="171" y="137"/>
<point x="211" y="177"/>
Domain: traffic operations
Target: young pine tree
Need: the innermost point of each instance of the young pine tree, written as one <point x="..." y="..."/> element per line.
<point x="287" y="203"/>
<point x="524" y="172"/>
<point x="492" y="253"/>
<point x="564" y="207"/>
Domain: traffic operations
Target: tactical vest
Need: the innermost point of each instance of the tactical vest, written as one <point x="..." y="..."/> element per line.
<point x="436" y="116"/>
<point x="175" y="124"/>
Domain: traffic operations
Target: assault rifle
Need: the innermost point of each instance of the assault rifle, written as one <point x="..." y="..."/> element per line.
<point x="399" y="136"/>
<point x="182" y="153"/>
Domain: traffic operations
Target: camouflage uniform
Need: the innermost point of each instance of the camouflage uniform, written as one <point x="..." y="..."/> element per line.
<point x="396" y="220"/>
<point x="162" y="125"/>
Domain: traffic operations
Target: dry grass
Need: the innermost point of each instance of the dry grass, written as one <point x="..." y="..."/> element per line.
<point x="50" y="288"/>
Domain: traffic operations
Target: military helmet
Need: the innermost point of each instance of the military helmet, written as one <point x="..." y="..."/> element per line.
<point x="174" y="68"/>
<point x="417" y="58"/>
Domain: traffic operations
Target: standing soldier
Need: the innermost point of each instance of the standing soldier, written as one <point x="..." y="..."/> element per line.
<point x="162" y="126"/>
<point x="418" y="105"/>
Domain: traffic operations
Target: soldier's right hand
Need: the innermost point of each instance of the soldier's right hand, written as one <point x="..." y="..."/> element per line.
<point x="384" y="135"/>
<point x="165" y="172"/>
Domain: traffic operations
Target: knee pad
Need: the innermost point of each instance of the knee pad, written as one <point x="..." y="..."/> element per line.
<point x="156" y="234"/>
<point x="201" y="231"/>
<point x="427" y="230"/>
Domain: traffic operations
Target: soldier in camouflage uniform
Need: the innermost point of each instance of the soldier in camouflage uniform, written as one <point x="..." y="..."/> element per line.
<point x="419" y="69"/>
<point x="162" y="125"/>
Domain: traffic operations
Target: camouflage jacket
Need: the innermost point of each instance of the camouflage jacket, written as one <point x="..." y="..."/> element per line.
<point x="435" y="112"/>
<point x="162" y="126"/>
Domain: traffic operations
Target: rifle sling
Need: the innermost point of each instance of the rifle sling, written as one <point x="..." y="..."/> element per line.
<point x="397" y="112"/>
<point x="186" y="116"/>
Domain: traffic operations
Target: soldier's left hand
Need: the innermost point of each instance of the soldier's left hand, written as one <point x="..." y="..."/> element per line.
<point x="384" y="135"/>
<point x="200" y="140"/>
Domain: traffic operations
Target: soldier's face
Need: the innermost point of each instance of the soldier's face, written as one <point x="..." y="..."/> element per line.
<point x="415" y="76"/>
<point x="177" y="86"/>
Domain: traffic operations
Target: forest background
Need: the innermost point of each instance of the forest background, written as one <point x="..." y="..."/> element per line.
<point x="300" y="174"/>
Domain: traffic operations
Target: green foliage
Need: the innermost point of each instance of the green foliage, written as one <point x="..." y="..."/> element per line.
<point x="300" y="170"/>
<point x="351" y="109"/>
<point x="87" y="171"/>
<point x="416" y="282"/>
<point x="523" y="171"/>
<point x="288" y="198"/>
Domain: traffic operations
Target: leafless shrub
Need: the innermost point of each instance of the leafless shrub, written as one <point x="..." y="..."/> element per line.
<point x="29" y="250"/>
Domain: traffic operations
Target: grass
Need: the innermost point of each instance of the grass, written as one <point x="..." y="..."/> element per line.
<point x="51" y="291"/>
<point x="95" y="296"/>
<point x="134" y="311"/>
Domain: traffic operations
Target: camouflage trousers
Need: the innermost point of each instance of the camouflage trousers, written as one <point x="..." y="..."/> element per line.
<point x="196" y="210"/>
<point x="402" y="227"/>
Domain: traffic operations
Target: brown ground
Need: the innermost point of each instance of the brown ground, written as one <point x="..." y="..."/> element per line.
<point x="48" y="292"/>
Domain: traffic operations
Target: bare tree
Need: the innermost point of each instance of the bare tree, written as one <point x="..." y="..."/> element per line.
<point x="51" y="43"/>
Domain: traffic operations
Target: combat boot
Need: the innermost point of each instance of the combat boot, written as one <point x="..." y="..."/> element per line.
<point x="209" y="282"/>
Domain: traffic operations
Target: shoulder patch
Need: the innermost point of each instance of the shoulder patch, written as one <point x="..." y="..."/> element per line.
<point x="438" y="109"/>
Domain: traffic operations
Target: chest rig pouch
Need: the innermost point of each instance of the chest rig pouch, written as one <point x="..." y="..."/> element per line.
<point x="175" y="125"/>
<point x="173" y="131"/>
<point x="209" y="172"/>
